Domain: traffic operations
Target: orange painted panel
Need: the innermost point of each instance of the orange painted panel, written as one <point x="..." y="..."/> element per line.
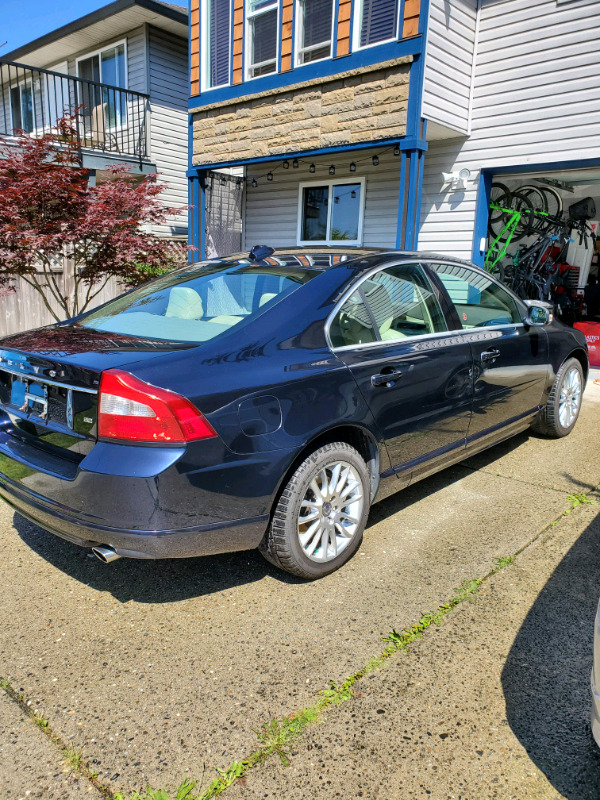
<point x="411" y="27"/>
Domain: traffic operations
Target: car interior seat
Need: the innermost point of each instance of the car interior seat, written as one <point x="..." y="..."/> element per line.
<point x="184" y="303"/>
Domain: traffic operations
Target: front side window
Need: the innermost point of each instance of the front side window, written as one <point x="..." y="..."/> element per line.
<point x="314" y="30"/>
<point x="377" y="21"/>
<point x="391" y="305"/>
<point x="217" y="34"/>
<point x="478" y="300"/>
<point x="197" y="303"/>
<point x="104" y="108"/>
<point x="331" y="212"/>
<point x="262" y="37"/>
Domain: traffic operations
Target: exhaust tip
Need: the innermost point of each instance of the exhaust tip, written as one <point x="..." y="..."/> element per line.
<point x="105" y="554"/>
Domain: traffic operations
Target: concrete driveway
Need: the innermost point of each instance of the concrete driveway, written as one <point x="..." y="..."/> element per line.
<point x="161" y="670"/>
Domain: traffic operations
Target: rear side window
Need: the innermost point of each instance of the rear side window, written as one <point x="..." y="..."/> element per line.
<point x="479" y="302"/>
<point x="392" y="304"/>
<point x="197" y="304"/>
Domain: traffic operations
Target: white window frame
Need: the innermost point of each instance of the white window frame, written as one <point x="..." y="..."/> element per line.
<point x="249" y="16"/>
<point x="24" y="82"/>
<point x="205" y="49"/>
<point x="330" y="184"/>
<point x="298" y="49"/>
<point x="99" y="52"/>
<point x="356" y="26"/>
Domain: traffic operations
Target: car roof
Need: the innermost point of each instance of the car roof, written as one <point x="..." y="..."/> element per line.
<point x="323" y="257"/>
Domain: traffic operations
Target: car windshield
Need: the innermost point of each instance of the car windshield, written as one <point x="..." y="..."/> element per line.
<point x="199" y="302"/>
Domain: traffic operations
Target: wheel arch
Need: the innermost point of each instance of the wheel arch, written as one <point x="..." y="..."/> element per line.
<point x="580" y="354"/>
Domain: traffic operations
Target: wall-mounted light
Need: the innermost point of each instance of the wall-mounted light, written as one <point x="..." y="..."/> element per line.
<point x="286" y="164"/>
<point x="352" y="167"/>
<point x="269" y="176"/>
<point x="295" y="163"/>
<point x="332" y="170"/>
<point x="312" y="168"/>
<point x="375" y="161"/>
<point x="456" y="181"/>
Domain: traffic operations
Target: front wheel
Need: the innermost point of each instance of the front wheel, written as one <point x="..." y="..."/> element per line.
<point x="559" y="415"/>
<point x="321" y="514"/>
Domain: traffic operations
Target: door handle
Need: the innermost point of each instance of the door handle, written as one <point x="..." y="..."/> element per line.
<point x="490" y="355"/>
<point x="386" y="378"/>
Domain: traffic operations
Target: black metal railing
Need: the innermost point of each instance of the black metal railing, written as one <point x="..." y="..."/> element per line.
<point x="108" y="118"/>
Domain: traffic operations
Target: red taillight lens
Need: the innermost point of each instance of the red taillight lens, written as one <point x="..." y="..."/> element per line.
<point x="132" y="410"/>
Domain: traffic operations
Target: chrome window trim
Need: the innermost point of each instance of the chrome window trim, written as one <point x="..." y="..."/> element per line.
<point x="438" y="335"/>
<point x="41" y="379"/>
<point x="357" y="285"/>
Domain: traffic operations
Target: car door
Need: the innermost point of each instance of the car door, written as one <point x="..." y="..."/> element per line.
<point x="510" y="359"/>
<point x="414" y="373"/>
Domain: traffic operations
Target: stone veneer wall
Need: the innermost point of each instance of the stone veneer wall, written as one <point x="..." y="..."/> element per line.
<point x="362" y="105"/>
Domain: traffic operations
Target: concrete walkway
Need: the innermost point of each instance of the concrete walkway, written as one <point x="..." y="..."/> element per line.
<point x="159" y="670"/>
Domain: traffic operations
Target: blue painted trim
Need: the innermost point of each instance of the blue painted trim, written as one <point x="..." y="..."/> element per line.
<point x="202" y="216"/>
<point x="549" y="165"/>
<point x="407" y="143"/>
<point x="401" y="201"/>
<point x="424" y="18"/>
<point x="415" y="96"/>
<point x="481" y="214"/>
<point x="400" y="27"/>
<point x="419" y="196"/>
<point x="232" y="42"/>
<point x="320" y="69"/>
<point x="413" y="175"/>
<point x="190" y="135"/>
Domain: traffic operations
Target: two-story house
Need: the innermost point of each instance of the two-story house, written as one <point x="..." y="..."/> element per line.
<point x="384" y="122"/>
<point x="124" y="70"/>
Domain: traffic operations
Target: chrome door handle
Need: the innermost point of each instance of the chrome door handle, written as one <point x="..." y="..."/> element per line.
<point x="387" y="379"/>
<point x="490" y="355"/>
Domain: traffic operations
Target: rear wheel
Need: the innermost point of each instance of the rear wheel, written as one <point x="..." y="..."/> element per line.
<point x="321" y="514"/>
<point x="559" y="415"/>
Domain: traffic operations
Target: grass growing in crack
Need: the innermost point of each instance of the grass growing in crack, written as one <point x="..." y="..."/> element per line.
<point x="579" y="499"/>
<point x="40" y="721"/>
<point x="503" y="561"/>
<point x="74" y="758"/>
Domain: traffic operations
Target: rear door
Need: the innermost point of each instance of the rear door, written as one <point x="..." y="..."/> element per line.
<point x="510" y="360"/>
<point x="414" y="374"/>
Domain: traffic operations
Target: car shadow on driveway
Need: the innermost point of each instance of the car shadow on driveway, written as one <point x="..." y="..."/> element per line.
<point x="145" y="580"/>
<point x="546" y="677"/>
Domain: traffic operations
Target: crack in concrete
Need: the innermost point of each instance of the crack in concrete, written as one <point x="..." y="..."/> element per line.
<point x="516" y="480"/>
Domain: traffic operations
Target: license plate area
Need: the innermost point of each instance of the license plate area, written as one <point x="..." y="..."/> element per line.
<point x="36" y="404"/>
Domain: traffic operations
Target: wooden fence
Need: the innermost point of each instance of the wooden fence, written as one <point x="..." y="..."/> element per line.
<point x="23" y="309"/>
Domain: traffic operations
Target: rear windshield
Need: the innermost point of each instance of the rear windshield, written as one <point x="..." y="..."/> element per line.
<point x="197" y="303"/>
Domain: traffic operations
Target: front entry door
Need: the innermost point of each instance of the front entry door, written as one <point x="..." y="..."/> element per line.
<point x="414" y="374"/>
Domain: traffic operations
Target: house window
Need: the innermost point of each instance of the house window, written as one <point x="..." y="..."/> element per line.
<point x="216" y="25"/>
<point x="21" y="107"/>
<point x="331" y="212"/>
<point x="314" y="30"/>
<point x="377" y="21"/>
<point x="104" y="108"/>
<point x="262" y="23"/>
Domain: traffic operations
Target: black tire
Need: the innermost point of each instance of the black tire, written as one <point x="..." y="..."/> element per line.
<point x="281" y="544"/>
<point x="500" y="195"/>
<point x="548" y="422"/>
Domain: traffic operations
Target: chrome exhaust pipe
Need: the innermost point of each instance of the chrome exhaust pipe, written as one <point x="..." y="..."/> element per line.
<point x="105" y="554"/>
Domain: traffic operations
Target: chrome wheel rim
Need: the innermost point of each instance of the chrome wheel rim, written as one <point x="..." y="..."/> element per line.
<point x="570" y="398"/>
<point x="330" y="512"/>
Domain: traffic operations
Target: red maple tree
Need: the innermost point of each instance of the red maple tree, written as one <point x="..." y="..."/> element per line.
<point x="65" y="238"/>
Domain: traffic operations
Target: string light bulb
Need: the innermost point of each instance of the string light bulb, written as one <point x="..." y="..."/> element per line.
<point x="269" y="176"/>
<point x="375" y="161"/>
<point x="295" y="163"/>
<point x="332" y="170"/>
<point x="353" y="194"/>
<point x="254" y="183"/>
<point x="286" y="164"/>
<point x="397" y="150"/>
<point x="312" y="168"/>
<point x="352" y="167"/>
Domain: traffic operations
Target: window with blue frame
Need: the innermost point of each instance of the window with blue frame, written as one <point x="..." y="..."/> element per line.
<point x="375" y="21"/>
<point x="262" y="37"/>
<point x="315" y="30"/>
<point x="217" y="36"/>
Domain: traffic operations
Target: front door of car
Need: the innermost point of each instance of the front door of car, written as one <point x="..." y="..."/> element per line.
<point x="414" y="374"/>
<point x="510" y="360"/>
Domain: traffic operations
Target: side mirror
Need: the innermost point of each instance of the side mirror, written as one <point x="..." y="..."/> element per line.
<point x="538" y="313"/>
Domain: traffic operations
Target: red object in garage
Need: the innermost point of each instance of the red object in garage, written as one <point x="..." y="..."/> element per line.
<point x="591" y="331"/>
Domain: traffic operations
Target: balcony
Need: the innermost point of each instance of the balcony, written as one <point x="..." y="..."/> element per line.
<point x="108" y="119"/>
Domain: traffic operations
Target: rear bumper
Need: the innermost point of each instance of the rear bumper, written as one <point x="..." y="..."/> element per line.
<point x="199" y="540"/>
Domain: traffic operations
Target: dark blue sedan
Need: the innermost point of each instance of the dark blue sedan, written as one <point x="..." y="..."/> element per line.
<point x="268" y="400"/>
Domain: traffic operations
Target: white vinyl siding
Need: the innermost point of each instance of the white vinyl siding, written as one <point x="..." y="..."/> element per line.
<point x="535" y="101"/>
<point x="271" y="213"/>
<point x="449" y="62"/>
<point x="168" y="83"/>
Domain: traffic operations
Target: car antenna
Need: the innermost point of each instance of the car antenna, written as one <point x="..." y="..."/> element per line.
<point x="260" y="251"/>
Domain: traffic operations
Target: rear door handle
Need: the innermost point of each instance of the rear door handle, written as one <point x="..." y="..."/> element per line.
<point x="386" y="378"/>
<point x="490" y="355"/>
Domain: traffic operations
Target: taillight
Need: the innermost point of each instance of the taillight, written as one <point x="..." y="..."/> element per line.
<point x="132" y="410"/>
